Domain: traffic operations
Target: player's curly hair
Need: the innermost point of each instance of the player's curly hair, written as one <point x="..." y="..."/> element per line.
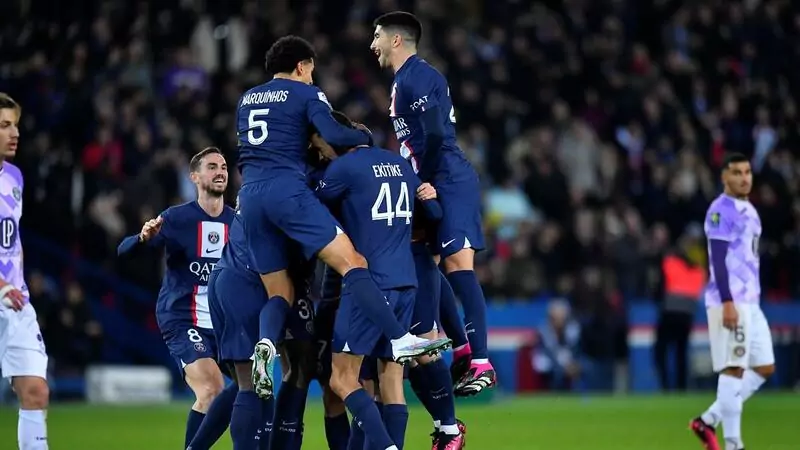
<point x="401" y="20"/>
<point x="286" y="52"/>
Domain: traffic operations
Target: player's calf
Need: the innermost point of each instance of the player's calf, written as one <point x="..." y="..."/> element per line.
<point x="337" y="425"/>
<point x="344" y="382"/>
<point x="33" y="394"/>
<point x="395" y="411"/>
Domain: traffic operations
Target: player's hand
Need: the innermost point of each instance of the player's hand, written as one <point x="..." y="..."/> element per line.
<point x="730" y="317"/>
<point x="12" y="296"/>
<point x="323" y="147"/>
<point x="426" y="191"/>
<point x="362" y="127"/>
<point x="150" y="228"/>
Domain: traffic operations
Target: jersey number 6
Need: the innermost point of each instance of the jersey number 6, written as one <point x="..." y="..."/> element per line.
<point x="402" y="207"/>
<point x="253" y="123"/>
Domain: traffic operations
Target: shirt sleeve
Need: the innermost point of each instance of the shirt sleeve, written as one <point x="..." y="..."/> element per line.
<point x="319" y="114"/>
<point x="332" y="186"/>
<point x="720" y="224"/>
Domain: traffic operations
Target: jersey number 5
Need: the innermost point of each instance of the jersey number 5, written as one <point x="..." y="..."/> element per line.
<point x="254" y="123"/>
<point x="402" y="207"/>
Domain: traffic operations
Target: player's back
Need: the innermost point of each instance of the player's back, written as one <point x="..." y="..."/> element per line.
<point x="737" y="222"/>
<point x="417" y="87"/>
<point x="377" y="210"/>
<point x="273" y="129"/>
<point x="193" y="242"/>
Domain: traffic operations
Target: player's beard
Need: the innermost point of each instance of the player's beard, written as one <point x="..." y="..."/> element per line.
<point x="215" y="191"/>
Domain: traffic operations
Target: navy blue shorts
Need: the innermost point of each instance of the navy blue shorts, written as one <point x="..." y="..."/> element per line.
<point x="323" y="327"/>
<point x="300" y="321"/>
<point x="188" y="343"/>
<point x="354" y="333"/>
<point x="426" y="306"/>
<point x="461" y="225"/>
<point x="281" y="210"/>
<point x="235" y="301"/>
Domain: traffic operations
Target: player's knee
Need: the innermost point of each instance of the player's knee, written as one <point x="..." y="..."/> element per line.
<point x="33" y="393"/>
<point x="460" y="260"/>
<point x="342" y="256"/>
<point x="765" y="371"/>
<point x="736" y="372"/>
<point x="279" y="284"/>
<point x="205" y="393"/>
<point x="343" y="383"/>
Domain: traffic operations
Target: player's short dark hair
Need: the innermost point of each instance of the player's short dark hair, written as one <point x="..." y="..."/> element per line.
<point x="733" y="158"/>
<point x="6" y="102"/>
<point x="197" y="159"/>
<point x="286" y="52"/>
<point x="342" y="119"/>
<point x="401" y="21"/>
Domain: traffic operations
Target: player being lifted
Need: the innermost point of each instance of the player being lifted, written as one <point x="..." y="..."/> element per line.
<point x="740" y="338"/>
<point x="193" y="235"/>
<point x="278" y="207"/>
<point x="22" y="353"/>
<point x="374" y="190"/>
<point x="423" y="118"/>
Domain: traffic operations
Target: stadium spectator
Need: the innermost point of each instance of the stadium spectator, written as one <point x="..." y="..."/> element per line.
<point x="556" y="358"/>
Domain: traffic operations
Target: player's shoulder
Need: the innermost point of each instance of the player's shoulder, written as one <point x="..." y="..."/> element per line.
<point x="423" y="71"/>
<point x="12" y="171"/>
<point x="180" y="212"/>
<point x="721" y="204"/>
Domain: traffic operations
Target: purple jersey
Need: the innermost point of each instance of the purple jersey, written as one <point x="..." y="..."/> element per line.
<point x="737" y="223"/>
<point x="10" y="214"/>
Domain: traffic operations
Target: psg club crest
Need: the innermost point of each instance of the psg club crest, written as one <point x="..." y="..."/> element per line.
<point x="213" y="237"/>
<point x="16" y="193"/>
<point x="199" y="346"/>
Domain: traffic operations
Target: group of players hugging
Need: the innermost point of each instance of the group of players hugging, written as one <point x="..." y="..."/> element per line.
<point x="395" y="235"/>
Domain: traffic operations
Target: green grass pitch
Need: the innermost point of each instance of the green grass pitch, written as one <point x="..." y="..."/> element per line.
<point x="771" y="422"/>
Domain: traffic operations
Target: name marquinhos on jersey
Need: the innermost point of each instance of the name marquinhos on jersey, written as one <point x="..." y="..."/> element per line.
<point x="202" y="270"/>
<point x="387" y="170"/>
<point x="255" y="98"/>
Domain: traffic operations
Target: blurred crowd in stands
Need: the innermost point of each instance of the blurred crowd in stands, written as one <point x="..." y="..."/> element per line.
<point x="597" y="127"/>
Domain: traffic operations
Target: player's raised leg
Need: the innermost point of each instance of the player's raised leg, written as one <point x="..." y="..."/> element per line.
<point x="298" y="359"/>
<point x="453" y="327"/>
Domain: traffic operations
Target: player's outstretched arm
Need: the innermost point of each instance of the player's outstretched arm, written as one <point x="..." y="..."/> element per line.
<point x="426" y="194"/>
<point x="150" y="235"/>
<point x="334" y="133"/>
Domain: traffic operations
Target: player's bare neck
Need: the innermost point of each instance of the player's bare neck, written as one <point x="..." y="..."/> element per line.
<point x="401" y="55"/>
<point x="211" y="204"/>
<point x="287" y="76"/>
<point x="736" y="196"/>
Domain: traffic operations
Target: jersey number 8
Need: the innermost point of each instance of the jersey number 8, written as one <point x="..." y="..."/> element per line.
<point x="194" y="336"/>
<point x="253" y="123"/>
<point x="402" y="207"/>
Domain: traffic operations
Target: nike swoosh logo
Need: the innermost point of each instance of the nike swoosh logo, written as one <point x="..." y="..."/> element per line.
<point x="209" y="250"/>
<point x="415" y="325"/>
<point x="445" y="244"/>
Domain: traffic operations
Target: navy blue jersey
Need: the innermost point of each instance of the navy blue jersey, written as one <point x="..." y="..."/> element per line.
<point x="193" y="243"/>
<point x="375" y="191"/>
<point x="418" y="86"/>
<point x="274" y="122"/>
